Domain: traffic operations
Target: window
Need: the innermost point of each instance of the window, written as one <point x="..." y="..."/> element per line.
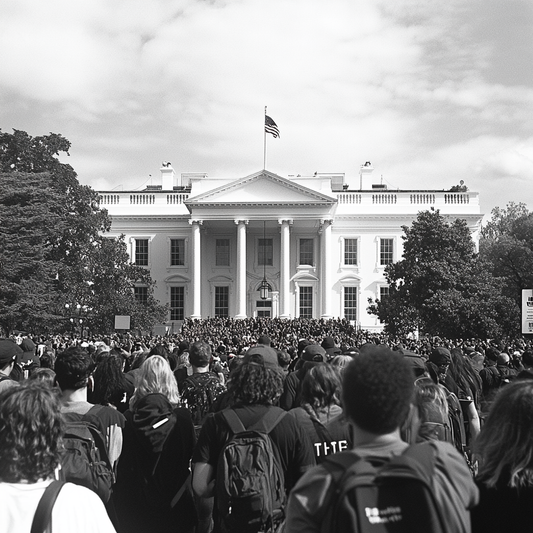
<point x="141" y="252"/>
<point x="265" y="252"/>
<point x="306" y="252"/>
<point x="177" y="252"/>
<point x="177" y="303"/>
<point x="384" y="291"/>
<point x="141" y="294"/>
<point x="306" y="302"/>
<point x="350" y="303"/>
<point x="222" y="252"/>
<point x="350" y="251"/>
<point x="386" y="249"/>
<point x="222" y="301"/>
<point x="263" y="308"/>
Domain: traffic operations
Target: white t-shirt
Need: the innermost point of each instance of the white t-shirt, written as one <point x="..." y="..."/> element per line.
<point x="76" y="510"/>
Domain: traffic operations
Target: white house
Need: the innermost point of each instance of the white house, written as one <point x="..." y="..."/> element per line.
<point x="317" y="244"/>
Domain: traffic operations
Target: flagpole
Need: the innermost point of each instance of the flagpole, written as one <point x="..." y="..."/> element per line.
<point x="264" y="141"/>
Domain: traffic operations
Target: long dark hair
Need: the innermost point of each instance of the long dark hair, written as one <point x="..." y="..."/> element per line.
<point x="505" y="445"/>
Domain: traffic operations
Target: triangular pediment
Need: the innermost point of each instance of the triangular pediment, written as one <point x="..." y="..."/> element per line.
<point x="261" y="188"/>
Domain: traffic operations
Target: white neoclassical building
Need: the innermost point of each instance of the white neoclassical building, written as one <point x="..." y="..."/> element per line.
<point x="317" y="245"/>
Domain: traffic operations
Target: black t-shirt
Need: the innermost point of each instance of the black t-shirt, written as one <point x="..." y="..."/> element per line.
<point x="295" y="452"/>
<point x="503" y="509"/>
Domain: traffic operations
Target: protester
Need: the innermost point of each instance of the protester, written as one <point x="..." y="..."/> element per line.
<point x="74" y="368"/>
<point x="319" y="407"/>
<point x="30" y="450"/>
<point x="109" y="384"/>
<point x="200" y="393"/>
<point x="377" y="391"/>
<point x="312" y="355"/>
<point x="9" y="352"/>
<point x="255" y="386"/>
<point x="153" y="488"/>
<point x="504" y="449"/>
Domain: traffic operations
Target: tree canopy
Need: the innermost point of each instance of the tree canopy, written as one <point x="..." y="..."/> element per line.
<point x="53" y="249"/>
<point x="440" y="286"/>
<point x="507" y="248"/>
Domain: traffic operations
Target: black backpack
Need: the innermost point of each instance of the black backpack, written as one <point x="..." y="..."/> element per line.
<point x="456" y="421"/>
<point x="85" y="460"/>
<point x="383" y="496"/>
<point x="250" y="481"/>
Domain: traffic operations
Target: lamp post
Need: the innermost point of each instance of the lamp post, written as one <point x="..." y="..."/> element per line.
<point x="78" y="314"/>
<point x="264" y="287"/>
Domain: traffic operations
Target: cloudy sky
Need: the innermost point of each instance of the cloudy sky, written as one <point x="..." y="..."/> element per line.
<point x="430" y="92"/>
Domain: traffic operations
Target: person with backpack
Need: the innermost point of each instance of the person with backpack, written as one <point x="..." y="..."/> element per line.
<point x="249" y="456"/>
<point x="202" y="388"/>
<point x="383" y="484"/>
<point x="31" y="445"/>
<point x="200" y="392"/>
<point x="96" y="429"/>
<point x="153" y="491"/>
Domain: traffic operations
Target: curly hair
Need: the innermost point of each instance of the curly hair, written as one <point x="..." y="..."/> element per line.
<point x="253" y="383"/>
<point x="505" y="445"/>
<point x="321" y="386"/>
<point x="155" y="376"/>
<point x="31" y="429"/>
<point x="377" y="389"/>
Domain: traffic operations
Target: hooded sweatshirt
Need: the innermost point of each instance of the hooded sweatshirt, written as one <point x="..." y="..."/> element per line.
<point x="158" y="444"/>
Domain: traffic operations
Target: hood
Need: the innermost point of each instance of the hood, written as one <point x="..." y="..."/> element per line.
<point x="153" y="420"/>
<point x="327" y="414"/>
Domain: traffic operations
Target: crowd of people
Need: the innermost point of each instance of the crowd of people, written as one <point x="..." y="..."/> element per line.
<point x="332" y="400"/>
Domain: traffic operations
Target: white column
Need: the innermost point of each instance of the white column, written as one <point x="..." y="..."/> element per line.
<point x="285" y="272"/>
<point x="241" y="268"/>
<point x="326" y="268"/>
<point x="196" y="269"/>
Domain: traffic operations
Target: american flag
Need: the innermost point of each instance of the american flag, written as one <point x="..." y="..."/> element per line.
<point x="271" y="127"/>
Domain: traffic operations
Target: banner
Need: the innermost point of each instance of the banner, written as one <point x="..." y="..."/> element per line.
<point x="122" y="322"/>
<point x="527" y="311"/>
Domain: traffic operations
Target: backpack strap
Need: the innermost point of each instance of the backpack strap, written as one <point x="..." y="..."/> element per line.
<point x="43" y="514"/>
<point x="269" y="421"/>
<point x="347" y="470"/>
<point x="233" y="421"/>
<point x="265" y="424"/>
<point x="96" y="434"/>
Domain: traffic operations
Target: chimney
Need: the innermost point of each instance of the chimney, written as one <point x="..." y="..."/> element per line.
<point x="167" y="176"/>
<point x="365" y="176"/>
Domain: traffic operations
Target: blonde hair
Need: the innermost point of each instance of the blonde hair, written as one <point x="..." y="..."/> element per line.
<point x="155" y="376"/>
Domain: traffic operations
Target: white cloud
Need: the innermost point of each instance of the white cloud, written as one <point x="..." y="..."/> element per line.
<point x="410" y="85"/>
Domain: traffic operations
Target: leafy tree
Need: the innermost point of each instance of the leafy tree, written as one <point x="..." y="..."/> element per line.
<point x="507" y="248"/>
<point x="441" y="286"/>
<point x="51" y="246"/>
